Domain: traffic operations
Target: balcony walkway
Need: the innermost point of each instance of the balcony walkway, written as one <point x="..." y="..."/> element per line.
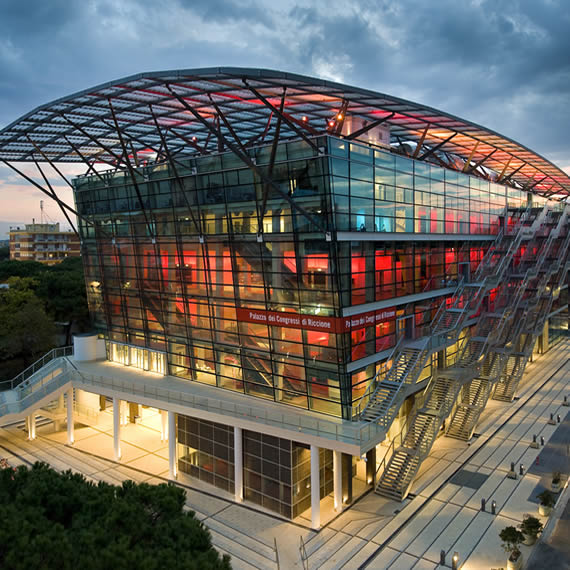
<point x="215" y="404"/>
<point x="443" y="511"/>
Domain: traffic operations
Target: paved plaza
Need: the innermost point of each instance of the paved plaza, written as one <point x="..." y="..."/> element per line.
<point x="443" y="511"/>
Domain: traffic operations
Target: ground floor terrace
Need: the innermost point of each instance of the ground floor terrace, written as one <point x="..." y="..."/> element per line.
<point x="443" y="511"/>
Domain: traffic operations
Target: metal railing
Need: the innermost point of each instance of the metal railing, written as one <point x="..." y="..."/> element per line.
<point x="32" y="369"/>
<point x="55" y="374"/>
<point x="436" y="338"/>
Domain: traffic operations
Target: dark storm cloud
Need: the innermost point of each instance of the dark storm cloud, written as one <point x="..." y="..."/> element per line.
<point x="223" y="11"/>
<point x="500" y="63"/>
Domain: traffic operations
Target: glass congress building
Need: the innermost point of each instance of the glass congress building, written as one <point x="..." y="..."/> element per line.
<point x="297" y="248"/>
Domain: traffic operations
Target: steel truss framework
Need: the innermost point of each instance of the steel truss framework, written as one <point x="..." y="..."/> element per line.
<point x="164" y="116"/>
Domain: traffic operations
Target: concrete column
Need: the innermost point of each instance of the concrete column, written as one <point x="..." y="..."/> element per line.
<point x="163" y="425"/>
<point x="370" y="466"/>
<point x="31" y="425"/>
<point x="337" y="480"/>
<point x="172" y="467"/>
<point x="70" y="425"/>
<point x="315" y="488"/>
<point x="346" y="478"/>
<point x="117" y="428"/>
<point x="238" y="464"/>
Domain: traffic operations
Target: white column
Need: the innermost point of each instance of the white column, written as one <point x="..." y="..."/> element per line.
<point x="315" y="489"/>
<point x="32" y="420"/>
<point x="70" y="420"/>
<point x="163" y="424"/>
<point x="117" y="428"/>
<point x="238" y="464"/>
<point x="172" y="467"/>
<point x="337" y="480"/>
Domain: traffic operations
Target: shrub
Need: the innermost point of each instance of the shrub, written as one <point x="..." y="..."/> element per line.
<point x="511" y="538"/>
<point x="531" y="526"/>
<point x="546" y="498"/>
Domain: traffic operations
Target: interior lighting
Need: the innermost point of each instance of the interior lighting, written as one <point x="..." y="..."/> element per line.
<point x="194" y="139"/>
<point x="340" y="117"/>
<point x="331" y="123"/>
<point x="304" y="118"/>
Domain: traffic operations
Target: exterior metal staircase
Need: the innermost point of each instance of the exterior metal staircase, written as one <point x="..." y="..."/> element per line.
<point x="555" y="267"/>
<point x="36" y="386"/>
<point x="384" y="396"/>
<point x="474" y="397"/>
<point x="476" y="368"/>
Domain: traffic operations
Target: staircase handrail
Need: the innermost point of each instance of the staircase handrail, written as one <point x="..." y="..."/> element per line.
<point x="28" y="394"/>
<point x="37" y="365"/>
<point x="375" y="383"/>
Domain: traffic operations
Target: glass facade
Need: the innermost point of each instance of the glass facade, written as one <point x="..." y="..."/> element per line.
<point x="205" y="450"/>
<point x="241" y="284"/>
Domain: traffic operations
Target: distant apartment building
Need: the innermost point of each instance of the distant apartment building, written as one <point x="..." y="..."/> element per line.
<point x="45" y="243"/>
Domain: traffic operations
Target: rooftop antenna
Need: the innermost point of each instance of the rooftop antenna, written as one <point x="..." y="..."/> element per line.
<point x="41" y="211"/>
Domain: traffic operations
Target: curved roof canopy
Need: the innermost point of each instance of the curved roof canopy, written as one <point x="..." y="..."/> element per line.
<point x="182" y="111"/>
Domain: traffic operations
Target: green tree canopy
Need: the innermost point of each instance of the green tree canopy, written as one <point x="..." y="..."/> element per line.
<point x="52" y="520"/>
<point x="25" y="329"/>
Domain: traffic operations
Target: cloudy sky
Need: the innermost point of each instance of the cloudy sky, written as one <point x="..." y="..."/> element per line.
<point x="504" y="64"/>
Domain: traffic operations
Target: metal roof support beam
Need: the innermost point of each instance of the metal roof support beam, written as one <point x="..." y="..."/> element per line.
<point x="106" y="148"/>
<point x="468" y="161"/>
<point x="529" y="186"/>
<point x="421" y="142"/>
<point x="90" y="166"/>
<point x="54" y="195"/>
<point x="340" y="117"/>
<point x="368" y="127"/>
<point x="49" y="161"/>
<point x="176" y="175"/>
<point x="266" y="186"/>
<point x="507" y="178"/>
<point x="60" y="202"/>
<point x="222" y="140"/>
<point x="401" y="145"/>
<point x="504" y="170"/>
<point x="436" y="147"/>
<point x="131" y="171"/>
<point x="228" y="126"/>
<point x="289" y="122"/>
<point x="188" y="141"/>
<point x="252" y="140"/>
<point x="246" y="159"/>
<point x="480" y="162"/>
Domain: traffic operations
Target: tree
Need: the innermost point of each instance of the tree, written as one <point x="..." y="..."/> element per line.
<point x="4" y="252"/>
<point x="25" y="329"/>
<point x="62" y="288"/>
<point x="52" y="520"/>
<point x="512" y="538"/>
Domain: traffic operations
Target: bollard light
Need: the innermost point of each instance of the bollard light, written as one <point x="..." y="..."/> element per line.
<point x="454" y="560"/>
<point x="442" y="557"/>
<point x="541" y="440"/>
<point x="483" y="503"/>
<point x="512" y="466"/>
<point x="558" y="418"/>
<point x="494" y="507"/>
<point x="521" y="469"/>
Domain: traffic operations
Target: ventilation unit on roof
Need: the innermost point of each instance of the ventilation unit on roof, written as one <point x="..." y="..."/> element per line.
<point x="379" y="135"/>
